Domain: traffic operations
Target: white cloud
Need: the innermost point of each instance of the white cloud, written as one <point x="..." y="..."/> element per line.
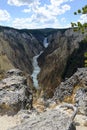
<point x="48" y="12"/>
<point x="21" y="22"/>
<point x="72" y="0"/>
<point x="65" y="8"/>
<point x="28" y="2"/>
<point x="54" y="10"/>
<point x="44" y="15"/>
<point x="22" y="2"/>
<point x="4" y="15"/>
<point x="83" y="18"/>
<point x="58" y="2"/>
<point x="26" y="10"/>
<point x="34" y="23"/>
<point x="29" y="23"/>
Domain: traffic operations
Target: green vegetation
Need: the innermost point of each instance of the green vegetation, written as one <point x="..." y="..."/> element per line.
<point x="79" y="26"/>
<point x="83" y="28"/>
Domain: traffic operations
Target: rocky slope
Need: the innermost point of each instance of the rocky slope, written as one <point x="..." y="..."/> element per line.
<point x="14" y="93"/>
<point x="53" y="119"/>
<point x="16" y="106"/>
<point x="17" y="48"/>
<point x="74" y="90"/>
<point x="60" y="59"/>
<point x="56" y="61"/>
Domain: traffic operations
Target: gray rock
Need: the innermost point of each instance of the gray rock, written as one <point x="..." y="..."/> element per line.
<point x="23" y="115"/>
<point x="14" y="93"/>
<point x="81" y="100"/>
<point x="66" y="87"/>
<point x="16" y="72"/>
<point x="51" y="120"/>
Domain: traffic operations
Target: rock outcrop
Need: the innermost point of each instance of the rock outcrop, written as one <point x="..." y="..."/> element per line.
<point x="74" y="90"/>
<point x="55" y="119"/>
<point x="14" y="93"/>
<point x="81" y="100"/>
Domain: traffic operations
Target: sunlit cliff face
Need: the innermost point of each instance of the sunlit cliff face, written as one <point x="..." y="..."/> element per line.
<point x="54" y="60"/>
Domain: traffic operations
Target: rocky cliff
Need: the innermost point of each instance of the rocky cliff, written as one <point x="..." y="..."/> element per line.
<point x="17" y="48"/>
<point x="61" y="58"/>
<point x="74" y="90"/>
<point x="53" y="119"/>
<point x="17" y="107"/>
<point x="14" y="93"/>
<point x="16" y="103"/>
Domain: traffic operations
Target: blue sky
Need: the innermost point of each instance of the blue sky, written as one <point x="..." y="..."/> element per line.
<point x="40" y="13"/>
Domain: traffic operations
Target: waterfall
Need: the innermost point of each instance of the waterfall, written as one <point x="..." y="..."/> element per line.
<point x="45" y="42"/>
<point x="36" y="70"/>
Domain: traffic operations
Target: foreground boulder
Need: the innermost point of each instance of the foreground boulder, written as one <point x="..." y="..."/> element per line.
<point x="56" y="119"/>
<point x="81" y="100"/>
<point x="14" y="93"/>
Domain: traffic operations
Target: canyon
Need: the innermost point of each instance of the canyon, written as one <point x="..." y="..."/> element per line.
<point x="42" y="77"/>
<point x="18" y="49"/>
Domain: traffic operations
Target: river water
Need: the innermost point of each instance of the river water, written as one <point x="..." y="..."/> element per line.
<point x="36" y="68"/>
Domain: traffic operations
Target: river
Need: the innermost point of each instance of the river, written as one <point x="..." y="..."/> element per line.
<point x="36" y="68"/>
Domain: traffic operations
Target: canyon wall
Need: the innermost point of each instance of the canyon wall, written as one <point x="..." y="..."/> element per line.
<point x="61" y="59"/>
<point x="17" y="48"/>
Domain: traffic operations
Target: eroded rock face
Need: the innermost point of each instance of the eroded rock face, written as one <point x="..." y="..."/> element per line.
<point x="14" y="93"/>
<point x="17" y="48"/>
<point x="53" y="61"/>
<point x="74" y="90"/>
<point x="81" y="100"/>
<point x="50" y="120"/>
<point x="66" y="87"/>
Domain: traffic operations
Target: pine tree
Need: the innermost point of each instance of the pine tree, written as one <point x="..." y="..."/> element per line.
<point x="79" y="26"/>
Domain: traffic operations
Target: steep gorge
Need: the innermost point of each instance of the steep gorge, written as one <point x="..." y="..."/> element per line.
<point x="54" y="60"/>
<point x="19" y="47"/>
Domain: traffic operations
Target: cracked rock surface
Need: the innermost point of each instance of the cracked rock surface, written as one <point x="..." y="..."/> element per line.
<point x="14" y="93"/>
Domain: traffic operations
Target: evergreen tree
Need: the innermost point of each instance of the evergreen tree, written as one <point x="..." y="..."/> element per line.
<point x="79" y="26"/>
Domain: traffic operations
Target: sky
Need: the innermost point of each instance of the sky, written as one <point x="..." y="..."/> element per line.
<point x="33" y="14"/>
